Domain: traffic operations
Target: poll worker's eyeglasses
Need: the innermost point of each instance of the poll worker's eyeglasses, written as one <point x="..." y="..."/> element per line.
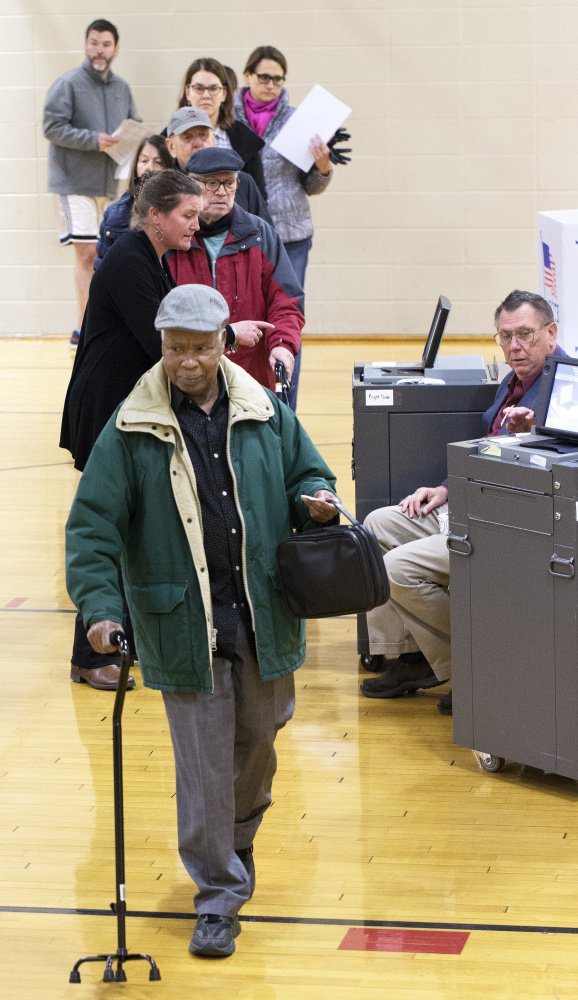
<point x="213" y="90"/>
<point x="527" y="337"/>
<point x="277" y="81"/>
<point x="213" y="183"/>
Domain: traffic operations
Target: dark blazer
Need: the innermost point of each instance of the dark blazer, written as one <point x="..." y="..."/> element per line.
<point x="118" y="340"/>
<point x="528" y="399"/>
<point x="248" y="145"/>
<point x="250" y="198"/>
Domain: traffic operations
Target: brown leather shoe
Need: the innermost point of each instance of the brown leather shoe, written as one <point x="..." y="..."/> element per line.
<point x="102" y="678"/>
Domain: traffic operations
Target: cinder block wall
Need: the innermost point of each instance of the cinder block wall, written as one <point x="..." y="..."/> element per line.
<point x="464" y="127"/>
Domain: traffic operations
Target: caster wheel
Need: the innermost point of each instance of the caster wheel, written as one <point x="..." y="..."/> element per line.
<point x="489" y="762"/>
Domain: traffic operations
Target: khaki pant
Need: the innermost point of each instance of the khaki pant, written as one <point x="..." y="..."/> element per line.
<point x="417" y="616"/>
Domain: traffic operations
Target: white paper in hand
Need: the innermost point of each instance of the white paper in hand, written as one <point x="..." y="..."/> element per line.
<point x="320" y="113"/>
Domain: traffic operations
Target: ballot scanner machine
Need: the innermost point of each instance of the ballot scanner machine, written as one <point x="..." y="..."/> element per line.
<point x="404" y="415"/>
<point x="512" y="539"/>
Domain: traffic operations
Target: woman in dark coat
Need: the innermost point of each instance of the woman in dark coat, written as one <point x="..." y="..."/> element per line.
<point x="118" y="343"/>
<point x="207" y="86"/>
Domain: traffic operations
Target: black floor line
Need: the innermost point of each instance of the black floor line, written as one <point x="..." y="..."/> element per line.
<point x="310" y="921"/>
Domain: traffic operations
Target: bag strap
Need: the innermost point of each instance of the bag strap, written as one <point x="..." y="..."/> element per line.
<point x="345" y="512"/>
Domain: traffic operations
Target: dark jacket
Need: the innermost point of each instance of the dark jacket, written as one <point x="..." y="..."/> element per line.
<point x="115" y="223"/>
<point x="528" y="399"/>
<point x="118" y="340"/>
<point x="248" y="145"/>
<point x="137" y="501"/>
<point x="255" y="276"/>
<point x="250" y="198"/>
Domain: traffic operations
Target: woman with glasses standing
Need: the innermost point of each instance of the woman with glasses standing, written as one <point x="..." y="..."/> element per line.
<point x="207" y="85"/>
<point x="264" y="106"/>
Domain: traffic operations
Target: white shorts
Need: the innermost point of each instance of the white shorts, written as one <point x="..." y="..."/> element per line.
<point x="79" y="217"/>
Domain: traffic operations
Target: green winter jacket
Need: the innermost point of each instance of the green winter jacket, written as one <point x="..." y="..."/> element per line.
<point x="137" y="506"/>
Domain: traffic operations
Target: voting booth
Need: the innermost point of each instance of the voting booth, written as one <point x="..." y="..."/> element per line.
<point x="513" y="538"/>
<point x="404" y="415"/>
<point x="558" y="278"/>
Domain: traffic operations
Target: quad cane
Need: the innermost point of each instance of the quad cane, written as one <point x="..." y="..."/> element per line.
<point x="119" y="907"/>
<point x="282" y="383"/>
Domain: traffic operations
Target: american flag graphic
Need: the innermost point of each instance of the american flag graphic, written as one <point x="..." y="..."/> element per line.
<point x="549" y="270"/>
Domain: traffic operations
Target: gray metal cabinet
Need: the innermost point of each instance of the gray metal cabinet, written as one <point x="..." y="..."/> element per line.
<point x="514" y="601"/>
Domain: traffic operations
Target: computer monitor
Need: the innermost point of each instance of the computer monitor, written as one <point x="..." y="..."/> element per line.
<point x="436" y="330"/>
<point x="557" y="403"/>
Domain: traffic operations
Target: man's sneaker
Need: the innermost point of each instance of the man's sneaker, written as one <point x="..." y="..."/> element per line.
<point x="246" y="856"/>
<point x="400" y="678"/>
<point x="214" y="935"/>
<point x="73" y="342"/>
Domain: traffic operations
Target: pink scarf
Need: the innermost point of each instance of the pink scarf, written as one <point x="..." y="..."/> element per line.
<point x="259" y="113"/>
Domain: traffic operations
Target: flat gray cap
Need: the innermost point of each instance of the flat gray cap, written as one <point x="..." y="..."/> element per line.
<point x="193" y="307"/>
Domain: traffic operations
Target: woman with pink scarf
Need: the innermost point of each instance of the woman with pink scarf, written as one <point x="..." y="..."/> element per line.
<point x="263" y="105"/>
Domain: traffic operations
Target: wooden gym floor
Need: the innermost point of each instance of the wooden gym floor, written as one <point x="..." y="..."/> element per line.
<point x="390" y="865"/>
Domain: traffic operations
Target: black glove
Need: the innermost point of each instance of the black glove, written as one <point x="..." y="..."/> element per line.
<point x="338" y="155"/>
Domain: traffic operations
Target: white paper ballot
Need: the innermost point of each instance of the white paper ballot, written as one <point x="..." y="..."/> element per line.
<point x="122" y="172"/>
<point x="320" y="113"/>
<point x="129" y="134"/>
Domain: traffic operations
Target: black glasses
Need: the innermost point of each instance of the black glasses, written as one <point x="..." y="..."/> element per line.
<point x="277" y="81"/>
<point x="213" y="183"/>
<point x="199" y="90"/>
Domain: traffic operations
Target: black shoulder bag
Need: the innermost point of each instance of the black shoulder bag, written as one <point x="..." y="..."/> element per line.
<point x="336" y="570"/>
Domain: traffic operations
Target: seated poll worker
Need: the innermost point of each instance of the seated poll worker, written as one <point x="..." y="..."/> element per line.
<point x="244" y="258"/>
<point x="193" y="482"/>
<point x="410" y="636"/>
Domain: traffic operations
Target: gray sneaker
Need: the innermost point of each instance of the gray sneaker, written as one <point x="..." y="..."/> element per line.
<point x="214" y="935"/>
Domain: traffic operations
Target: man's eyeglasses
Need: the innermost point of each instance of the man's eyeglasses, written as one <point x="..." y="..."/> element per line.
<point x="213" y="90"/>
<point x="213" y="183"/>
<point x="524" y="336"/>
<point x="277" y="81"/>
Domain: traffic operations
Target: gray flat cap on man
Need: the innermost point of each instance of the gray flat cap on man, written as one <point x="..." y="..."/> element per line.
<point x="199" y="308"/>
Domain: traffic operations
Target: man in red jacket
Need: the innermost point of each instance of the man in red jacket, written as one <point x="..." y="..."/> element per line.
<point x="243" y="257"/>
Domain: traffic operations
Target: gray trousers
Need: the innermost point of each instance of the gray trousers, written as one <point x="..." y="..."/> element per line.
<point x="417" y="616"/>
<point x="225" y="762"/>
